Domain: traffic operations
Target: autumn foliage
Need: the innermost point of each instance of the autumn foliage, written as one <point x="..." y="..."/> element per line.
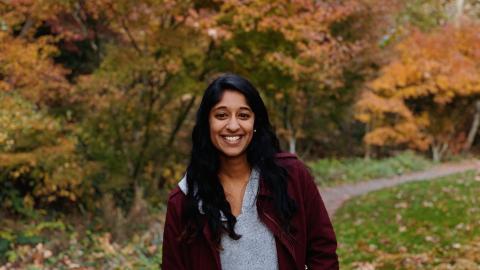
<point x="425" y="97"/>
<point x="98" y="97"/>
<point x="98" y="100"/>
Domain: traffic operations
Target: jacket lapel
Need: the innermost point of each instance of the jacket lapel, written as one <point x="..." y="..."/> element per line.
<point x="207" y="233"/>
<point x="267" y="215"/>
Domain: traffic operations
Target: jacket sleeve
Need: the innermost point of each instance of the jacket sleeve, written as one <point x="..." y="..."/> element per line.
<point x="321" y="241"/>
<point x="171" y="250"/>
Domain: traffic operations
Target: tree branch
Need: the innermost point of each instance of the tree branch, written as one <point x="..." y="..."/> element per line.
<point x="130" y="36"/>
<point x="180" y="119"/>
<point x="127" y="30"/>
<point x="28" y="24"/>
<point x="5" y="2"/>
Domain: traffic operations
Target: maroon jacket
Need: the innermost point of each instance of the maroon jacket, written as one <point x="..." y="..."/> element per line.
<point x="311" y="243"/>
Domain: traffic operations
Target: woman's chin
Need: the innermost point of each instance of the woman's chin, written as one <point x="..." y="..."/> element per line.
<point x="233" y="154"/>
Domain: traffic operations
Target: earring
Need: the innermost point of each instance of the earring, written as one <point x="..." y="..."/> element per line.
<point x="254" y="130"/>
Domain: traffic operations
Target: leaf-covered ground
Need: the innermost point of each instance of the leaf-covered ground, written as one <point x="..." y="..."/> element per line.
<point x="424" y="225"/>
<point x="69" y="243"/>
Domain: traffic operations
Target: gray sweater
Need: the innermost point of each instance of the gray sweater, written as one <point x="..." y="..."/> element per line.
<point x="256" y="248"/>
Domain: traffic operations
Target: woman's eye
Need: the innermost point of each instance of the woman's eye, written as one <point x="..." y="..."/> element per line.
<point x="244" y="115"/>
<point x="221" y="115"/>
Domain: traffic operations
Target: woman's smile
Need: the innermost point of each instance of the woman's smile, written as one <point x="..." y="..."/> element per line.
<point x="232" y="139"/>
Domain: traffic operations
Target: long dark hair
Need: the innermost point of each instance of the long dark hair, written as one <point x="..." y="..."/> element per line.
<point x="202" y="179"/>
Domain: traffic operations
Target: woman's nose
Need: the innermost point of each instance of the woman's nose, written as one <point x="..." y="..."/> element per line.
<point x="232" y="124"/>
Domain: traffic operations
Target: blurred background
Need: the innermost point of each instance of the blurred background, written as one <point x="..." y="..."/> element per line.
<point x="97" y="103"/>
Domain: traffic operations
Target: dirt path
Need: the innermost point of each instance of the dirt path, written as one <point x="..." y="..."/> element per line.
<point x="334" y="197"/>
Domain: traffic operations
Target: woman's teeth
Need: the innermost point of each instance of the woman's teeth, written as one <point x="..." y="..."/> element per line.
<point x="232" y="138"/>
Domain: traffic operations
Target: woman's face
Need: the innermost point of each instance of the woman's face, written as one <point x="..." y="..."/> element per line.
<point x="231" y="124"/>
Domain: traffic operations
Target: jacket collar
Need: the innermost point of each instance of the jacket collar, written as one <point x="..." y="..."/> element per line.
<point x="263" y="190"/>
<point x="184" y="188"/>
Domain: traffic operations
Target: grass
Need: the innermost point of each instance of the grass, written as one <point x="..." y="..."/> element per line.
<point x="331" y="172"/>
<point x="423" y="225"/>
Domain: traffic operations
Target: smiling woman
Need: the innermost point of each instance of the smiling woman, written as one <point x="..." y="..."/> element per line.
<point x="243" y="204"/>
<point x="231" y="124"/>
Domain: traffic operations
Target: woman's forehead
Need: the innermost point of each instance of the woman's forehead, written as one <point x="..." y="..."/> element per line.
<point x="231" y="99"/>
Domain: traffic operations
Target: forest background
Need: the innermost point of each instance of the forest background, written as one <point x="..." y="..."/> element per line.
<point x="97" y="99"/>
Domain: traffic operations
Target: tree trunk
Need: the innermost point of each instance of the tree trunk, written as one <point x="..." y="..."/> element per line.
<point x="292" y="141"/>
<point x="459" y="12"/>
<point x="368" y="147"/>
<point x="368" y="152"/>
<point x="438" y="151"/>
<point x="474" y="128"/>
<point x="292" y="144"/>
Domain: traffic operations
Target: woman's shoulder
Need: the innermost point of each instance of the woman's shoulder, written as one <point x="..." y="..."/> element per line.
<point x="299" y="173"/>
<point x="285" y="155"/>
<point x="289" y="161"/>
<point x="176" y="196"/>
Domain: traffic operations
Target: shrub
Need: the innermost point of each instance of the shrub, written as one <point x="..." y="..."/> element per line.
<point x="336" y="171"/>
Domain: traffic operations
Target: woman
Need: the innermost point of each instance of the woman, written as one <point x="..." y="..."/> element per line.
<point x="243" y="204"/>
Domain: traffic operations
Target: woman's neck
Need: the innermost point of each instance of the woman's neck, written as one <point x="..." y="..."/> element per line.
<point x="235" y="169"/>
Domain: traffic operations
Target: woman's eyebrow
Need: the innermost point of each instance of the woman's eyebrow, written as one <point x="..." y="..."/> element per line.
<point x="219" y="108"/>
<point x="245" y="108"/>
<point x="225" y="107"/>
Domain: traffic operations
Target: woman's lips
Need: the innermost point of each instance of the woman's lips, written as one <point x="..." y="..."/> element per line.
<point x="232" y="139"/>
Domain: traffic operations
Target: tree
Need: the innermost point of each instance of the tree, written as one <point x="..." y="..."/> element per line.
<point x="287" y="49"/>
<point x="26" y="59"/>
<point x="422" y="96"/>
<point x="142" y="92"/>
<point x="38" y="162"/>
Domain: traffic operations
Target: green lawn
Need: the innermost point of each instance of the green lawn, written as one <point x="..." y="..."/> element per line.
<point x="331" y="172"/>
<point x="424" y="225"/>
